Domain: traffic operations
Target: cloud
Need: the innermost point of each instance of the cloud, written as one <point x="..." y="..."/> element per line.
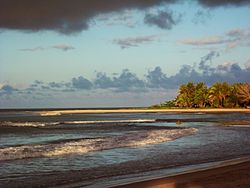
<point x="63" y="47"/>
<point x="32" y="49"/>
<point x="55" y="85"/>
<point x="205" y="72"/>
<point x="125" y="18"/>
<point x="205" y="63"/>
<point x="156" y="78"/>
<point x="247" y="64"/>
<point x="217" y="3"/>
<point x="125" y="81"/>
<point x="81" y="83"/>
<point x="203" y="41"/>
<point x="7" y="89"/>
<point x="201" y="16"/>
<point x="72" y="17"/>
<point x="61" y="15"/>
<point x="162" y="19"/>
<point x="231" y="39"/>
<point x="238" y="37"/>
<point x="236" y="33"/>
<point x="103" y="81"/>
<point x="128" y="82"/>
<point x="135" y="41"/>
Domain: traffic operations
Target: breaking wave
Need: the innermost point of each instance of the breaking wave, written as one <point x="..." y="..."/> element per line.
<point x="43" y="124"/>
<point x="83" y="146"/>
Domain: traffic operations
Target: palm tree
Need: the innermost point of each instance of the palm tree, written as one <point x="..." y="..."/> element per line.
<point x="218" y="94"/>
<point x="201" y="95"/>
<point x="186" y="95"/>
<point x="232" y="99"/>
<point x="243" y="94"/>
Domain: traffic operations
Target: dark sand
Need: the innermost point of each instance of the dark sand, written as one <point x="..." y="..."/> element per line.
<point x="229" y="176"/>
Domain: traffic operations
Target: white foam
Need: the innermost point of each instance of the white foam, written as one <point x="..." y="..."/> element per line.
<point x="111" y="121"/>
<point x="28" y="124"/>
<point x="43" y="124"/>
<point x="82" y="146"/>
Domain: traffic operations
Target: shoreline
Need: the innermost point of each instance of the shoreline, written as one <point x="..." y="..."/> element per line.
<point x="145" y="110"/>
<point x="228" y="173"/>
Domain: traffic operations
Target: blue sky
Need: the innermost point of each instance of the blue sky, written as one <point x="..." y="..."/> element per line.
<point x="128" y="54"/>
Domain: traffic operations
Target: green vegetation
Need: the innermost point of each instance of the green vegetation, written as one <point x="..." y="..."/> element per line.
<point x="219" y="95"/>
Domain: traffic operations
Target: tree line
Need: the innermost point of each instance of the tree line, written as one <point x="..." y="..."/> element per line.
<point x="219" y="95"/>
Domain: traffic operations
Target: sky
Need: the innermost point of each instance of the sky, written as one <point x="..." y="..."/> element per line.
<point x="112" y="53"/>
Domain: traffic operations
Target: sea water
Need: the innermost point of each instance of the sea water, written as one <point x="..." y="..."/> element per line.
<point x="86" y="149"/>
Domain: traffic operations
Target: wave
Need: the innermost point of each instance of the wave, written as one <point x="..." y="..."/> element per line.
<point x="43" y="124"/>
<point x="28" y="124"/>
<point x="112" y="121"/>
<point x="83" y="146"/>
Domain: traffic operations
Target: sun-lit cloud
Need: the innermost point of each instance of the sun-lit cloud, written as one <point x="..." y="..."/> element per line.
<point x="230" y="39"/>
<point x="63" y="47"/>
<point x="203" y="41"/>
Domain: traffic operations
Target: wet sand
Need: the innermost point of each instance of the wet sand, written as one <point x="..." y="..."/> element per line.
<point x="228" y="176"/>
<point x="142" y="110"/>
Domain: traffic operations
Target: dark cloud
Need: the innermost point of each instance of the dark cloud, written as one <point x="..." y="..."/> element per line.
<point x="156" y="78"/>
<point x="205" y="72"/>
<point x="7" y="90"/>
<point x="63" y="47"/>
<point x="125" y="18"/>
<point x="135" y="41"/>
<point x="126" y="81"/>
<point x="201" y="16"/>
<point x="103" y="81"/>
<point x="56" y="85"/>
<point x="216" y="3"/>
<point x="205" y="63"/>
<point x="81" y="83"/>
<point x="61" y="15"/>
<point x="45" y="87"/>
<point x="162" y="19"/>
<point x="38" y="82"/>
<point x="69" y="17"/>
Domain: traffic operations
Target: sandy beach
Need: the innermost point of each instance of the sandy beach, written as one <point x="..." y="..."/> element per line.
<point x="142" y="110"/>
<point x="227" y="175"/>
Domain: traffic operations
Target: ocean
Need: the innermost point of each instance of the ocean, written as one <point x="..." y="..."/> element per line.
<point x="106" y="149"/>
